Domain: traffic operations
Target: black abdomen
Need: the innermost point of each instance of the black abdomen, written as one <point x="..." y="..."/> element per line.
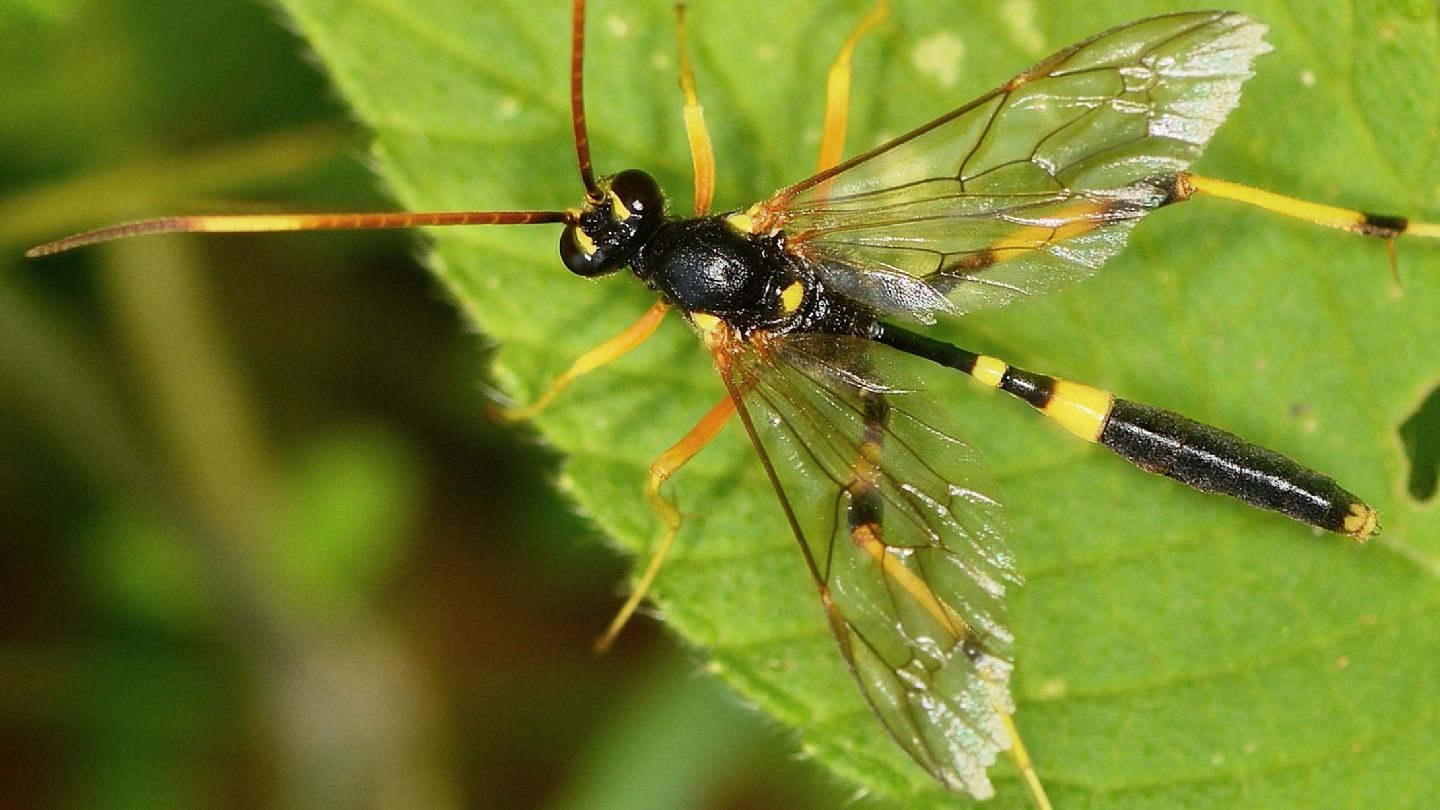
<point x="1212" y="460"/>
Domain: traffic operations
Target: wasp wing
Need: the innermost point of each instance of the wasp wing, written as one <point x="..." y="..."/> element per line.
<point x="906" y="547"/>
<point x="1033" y="185"/>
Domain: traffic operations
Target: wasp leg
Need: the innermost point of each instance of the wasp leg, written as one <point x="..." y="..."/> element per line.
<point x="702" y="154"/>
<point x="632" y="336"/>
<point x="1162" y="442"/>
<point x="1024" y="763"/>
<point x="665" y="466"/>
<point x="1381" y="226"/>
<point x="837" y="89"/>
<point x="1086" y="215"/>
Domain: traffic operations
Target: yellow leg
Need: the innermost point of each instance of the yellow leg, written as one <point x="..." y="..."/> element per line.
<point x="1383" y="226"/>
<point x="837" y="90"/>
<point x="1024" y="763"/>
<point x="702" y="154"/>
<point x="634" y="334"/>
<point x="665" y="466"/>
<point x="1088" y="215"/>
<point x="1380" y="225"/>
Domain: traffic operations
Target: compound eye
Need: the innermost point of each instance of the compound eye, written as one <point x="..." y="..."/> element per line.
<point x="637" y="191"/>
<point x="580" y="254"/>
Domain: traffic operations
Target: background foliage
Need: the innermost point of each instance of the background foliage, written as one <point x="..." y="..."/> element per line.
<point x="255" y="510"/>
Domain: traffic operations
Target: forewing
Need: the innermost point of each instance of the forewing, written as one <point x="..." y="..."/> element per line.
<point x="916" y="595"/>
<point x="1035" y="184"/>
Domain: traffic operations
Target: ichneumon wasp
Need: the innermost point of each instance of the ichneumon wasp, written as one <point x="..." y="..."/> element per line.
<point x="795" y="296"/>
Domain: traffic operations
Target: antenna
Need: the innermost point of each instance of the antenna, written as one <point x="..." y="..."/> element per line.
<point x="264" y="223"/>
<point x="261" y="223"/>
<point x="577" y="100"/>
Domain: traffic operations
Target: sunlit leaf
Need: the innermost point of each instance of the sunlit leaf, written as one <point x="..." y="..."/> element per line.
<point x="1171" y="647"/>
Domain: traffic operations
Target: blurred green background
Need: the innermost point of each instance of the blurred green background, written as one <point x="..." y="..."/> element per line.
<point x="260" y="544"/>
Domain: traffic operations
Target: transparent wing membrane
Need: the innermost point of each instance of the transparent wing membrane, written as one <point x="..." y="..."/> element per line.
<point x="1035" y="184"/>
<point x="906" y="546"/>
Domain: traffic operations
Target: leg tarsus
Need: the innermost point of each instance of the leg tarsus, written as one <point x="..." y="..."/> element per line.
<point x="665" y="466"/>
<point x="672" y="518"/>
<point x="1024" y="763"/>
<point x="1381" y="226"/>
<point x="702" y="154"/>
<point x="617" y="346"/>
<point x="837" y="90"/>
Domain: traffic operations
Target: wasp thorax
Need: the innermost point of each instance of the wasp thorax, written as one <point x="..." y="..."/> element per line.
<point x="608" y="232"/>
<point x="707" y="266"/>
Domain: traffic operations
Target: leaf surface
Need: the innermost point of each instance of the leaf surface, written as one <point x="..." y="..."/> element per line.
<point x="1171" y="647"/>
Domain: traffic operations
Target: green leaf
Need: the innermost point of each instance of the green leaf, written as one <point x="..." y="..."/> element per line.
<point x="1173" y="648"/>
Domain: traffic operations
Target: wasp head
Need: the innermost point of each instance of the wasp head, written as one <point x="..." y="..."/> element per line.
<point x="605" y="233"/>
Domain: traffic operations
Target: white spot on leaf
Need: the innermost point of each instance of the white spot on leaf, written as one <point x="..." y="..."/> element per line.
<point x="1019" y="17"/>
<point x="938" y="56"/>
<point x="1053" y="689"/>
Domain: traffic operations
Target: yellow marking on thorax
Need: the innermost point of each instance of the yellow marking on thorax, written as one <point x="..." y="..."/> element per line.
<point x="989" y="370"/>
<point x="753" y="220"/>
<point x="1082" y="409"/>
<point x="741" y="221"/>
<point x="708" y="324"/>
<point x="791" y="296"/>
